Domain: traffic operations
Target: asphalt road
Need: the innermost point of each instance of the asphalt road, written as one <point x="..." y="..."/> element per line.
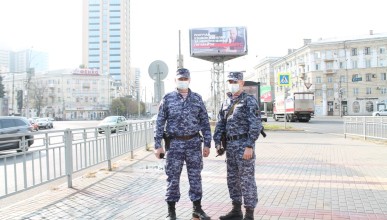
<point x="323" y="125"/>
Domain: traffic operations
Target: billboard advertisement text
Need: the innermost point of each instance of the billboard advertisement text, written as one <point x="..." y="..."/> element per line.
<point x="218" y="41"/>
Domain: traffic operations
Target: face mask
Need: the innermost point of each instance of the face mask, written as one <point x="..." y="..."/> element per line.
<point x="233" y="88"/>
<point x="182" y="84"/>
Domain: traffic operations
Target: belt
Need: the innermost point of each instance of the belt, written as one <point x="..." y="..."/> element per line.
<point x="185" y="138"/>
<point x="236" y="137"/>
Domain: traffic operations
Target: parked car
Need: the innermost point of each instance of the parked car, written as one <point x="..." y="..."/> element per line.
<point x="44" y="123"/>
<point x="34" y="124"/>
<point x="263" y="116"/>
<point x="382" y="112"/>
<point x="114" y="122"/>
<point x="15" y="126"/>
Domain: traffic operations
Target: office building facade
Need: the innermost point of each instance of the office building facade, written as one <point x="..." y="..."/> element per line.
<point x="106" y="39"/>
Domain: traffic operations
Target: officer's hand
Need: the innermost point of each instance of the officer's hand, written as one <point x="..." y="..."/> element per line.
<point x="248" y="154"/>
<point x="158" y="152"/>
<point x="206" y="151"/>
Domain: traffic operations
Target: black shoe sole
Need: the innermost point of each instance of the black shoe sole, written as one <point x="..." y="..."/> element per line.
<point x="233" y="218"/>
<point x="197" y="216"/>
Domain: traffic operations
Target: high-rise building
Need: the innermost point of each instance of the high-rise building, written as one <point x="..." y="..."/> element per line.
<point x="23" y="60"/>
<point x="4" y="61"/>
<point x="106" y="38"/>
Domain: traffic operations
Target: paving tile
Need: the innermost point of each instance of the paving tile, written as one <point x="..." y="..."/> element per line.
<point x="299" y="176"/>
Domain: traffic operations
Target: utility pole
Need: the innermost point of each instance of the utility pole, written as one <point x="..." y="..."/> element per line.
<point x="13" y="93"/>
<point x="30" y="72"/>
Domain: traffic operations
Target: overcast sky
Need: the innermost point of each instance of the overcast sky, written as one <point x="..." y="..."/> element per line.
<point x="55" y="26"/>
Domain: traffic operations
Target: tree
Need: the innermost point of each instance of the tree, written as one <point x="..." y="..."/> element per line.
<point x="126" y="106"/>
<point x="19" y="99"/>
<point x="38" y="92"/>
<point x="1" y="87"/>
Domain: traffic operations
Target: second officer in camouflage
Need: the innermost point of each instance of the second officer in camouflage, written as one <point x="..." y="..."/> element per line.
<point x="240" y="120"/>
<point x="183" y="115"/>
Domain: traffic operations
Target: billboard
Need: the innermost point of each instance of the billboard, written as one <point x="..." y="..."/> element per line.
<point x="218" y="41"/>
<point x="252" y="89"/>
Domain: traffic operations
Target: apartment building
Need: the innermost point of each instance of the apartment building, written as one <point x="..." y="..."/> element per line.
<point x="347" y="76"/>
<point x="106" y="39"/>
<point x="69" y="94"/>
<point x="264" y="73"/>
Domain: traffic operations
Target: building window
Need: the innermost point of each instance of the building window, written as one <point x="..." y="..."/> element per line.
<point x="369" y="106"/>
<point x="343" y="79"/>
<point x="342" y="65"/>
<point x="354" y="64"/>
<point x="382" y="62"/>
<point x="367" y="51"/>
<point x="356" y="107"/>
<point x="317" y="55"/>
<point x="368" y="77"/>
<point x="368" y="63"/>
<point x="329" y="65"/>
<point x="383" y="91"/>
<point x="317" y="66"/>
<point x="382" y="50"/>
<point x="330" y="79"/>
<point x="383" y="76"/>
<point x="318" y="92"/>
<point x="354" y="51"/>
<point x="318" y="80"/>
<point x="355" y="91"/>
<point x="330" y="92"/>
<point x="368" y="90"/>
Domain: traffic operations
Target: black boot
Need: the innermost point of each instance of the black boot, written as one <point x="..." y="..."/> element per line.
<point x="171" y="211"/>
<point x="249" y="214"/>
<point x="198" y="212"/>
<point x="235" y="213"/>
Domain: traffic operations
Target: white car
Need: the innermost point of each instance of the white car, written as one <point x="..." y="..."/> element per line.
<point x="263" y="116"/>
<point x="382" y="112"/>
<point x="116" y="123"/>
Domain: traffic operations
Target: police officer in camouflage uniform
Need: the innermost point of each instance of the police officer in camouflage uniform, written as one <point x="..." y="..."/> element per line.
<point x="183" y="115"/>
<point x="242" y="125"/>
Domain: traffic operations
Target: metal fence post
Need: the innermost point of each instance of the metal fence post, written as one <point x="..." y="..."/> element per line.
<point x="131" y="136"/>
<point x="364" y="128"/>
<point x="108" y="148"/>
<point x="146" y="125"/>
<point x="68" y="139"/>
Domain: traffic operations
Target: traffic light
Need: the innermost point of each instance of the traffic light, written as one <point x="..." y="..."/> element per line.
<point x="19" y="99"/>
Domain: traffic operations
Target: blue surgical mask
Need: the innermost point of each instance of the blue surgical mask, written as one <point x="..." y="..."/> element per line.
<point x="182" y="84"/>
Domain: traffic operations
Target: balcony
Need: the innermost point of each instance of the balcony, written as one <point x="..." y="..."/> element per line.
<point x="329" y="59"/>
<point x="301" y="63"/>
<point x="330" y="71"/>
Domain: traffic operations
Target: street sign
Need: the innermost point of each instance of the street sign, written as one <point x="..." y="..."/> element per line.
<point x="284" y="79"/>
<point x="356" y="79"/>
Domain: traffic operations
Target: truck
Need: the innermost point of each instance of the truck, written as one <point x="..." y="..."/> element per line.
<point x="299" y="107"/>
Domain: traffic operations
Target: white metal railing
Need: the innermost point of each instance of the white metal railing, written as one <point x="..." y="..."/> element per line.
<point x="366" y="127"/>
<point x="61" y="153"/>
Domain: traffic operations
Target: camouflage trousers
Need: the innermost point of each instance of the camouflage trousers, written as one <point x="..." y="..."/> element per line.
<point x="190" y="152"/>
<point x="241" y="175"/>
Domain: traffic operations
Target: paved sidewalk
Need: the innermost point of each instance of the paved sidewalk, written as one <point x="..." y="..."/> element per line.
<point x="299" y="175"/>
